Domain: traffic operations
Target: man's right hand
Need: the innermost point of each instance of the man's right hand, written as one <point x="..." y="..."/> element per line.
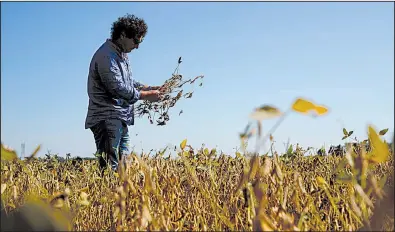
<point x="151" y="95"/>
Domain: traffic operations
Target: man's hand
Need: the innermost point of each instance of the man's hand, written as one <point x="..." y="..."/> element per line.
<point x="148" y="88"/>
<point x="151" y="95"/>
<point x="156" y="87"/>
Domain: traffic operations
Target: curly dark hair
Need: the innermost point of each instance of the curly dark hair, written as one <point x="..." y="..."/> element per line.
<point x="133" y="27"/>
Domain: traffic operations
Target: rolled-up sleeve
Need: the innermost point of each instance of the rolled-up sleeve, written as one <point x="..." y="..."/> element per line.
<point x="111" y="77"/>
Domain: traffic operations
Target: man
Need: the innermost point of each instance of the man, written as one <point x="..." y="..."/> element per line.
<point x="112" y="91"/>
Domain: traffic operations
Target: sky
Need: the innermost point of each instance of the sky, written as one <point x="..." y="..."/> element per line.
<point x="340" y="55"/>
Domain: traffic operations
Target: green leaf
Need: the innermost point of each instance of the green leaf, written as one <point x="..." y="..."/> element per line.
<point x="238" y="155"/>
<point x="216" y="164"/>
<point x="8" y="154"/>
<point x="345" y="132"/>
<point x="213" y="151"/>
<point x="350" y="133"/>
<point x="344" y="178"/>
<point x="163" y="152"/>
<point x="290" y="149"/>
<point x="383" y="132"/>
<point x="265" y="112"/>
<point x="35" y="152"/>
<point x="185" y="154"/>
<point x="344" y="137"/>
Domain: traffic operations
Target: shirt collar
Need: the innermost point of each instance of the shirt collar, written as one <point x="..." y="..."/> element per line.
<point x="117" y="49"/>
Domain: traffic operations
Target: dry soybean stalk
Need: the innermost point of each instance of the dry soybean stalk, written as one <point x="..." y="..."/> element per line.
<point x="172" y="92"/>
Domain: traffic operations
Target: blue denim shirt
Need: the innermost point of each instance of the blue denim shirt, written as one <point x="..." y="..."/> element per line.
<point x="111" y="88"/>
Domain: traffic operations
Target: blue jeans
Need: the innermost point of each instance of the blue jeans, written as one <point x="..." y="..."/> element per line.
<point x="111" y="138"/>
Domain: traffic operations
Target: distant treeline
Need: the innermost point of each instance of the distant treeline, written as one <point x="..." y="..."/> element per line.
<point x="338" y="150"/>
<point x="64" y="159"/>
<point x="356" y="147"/>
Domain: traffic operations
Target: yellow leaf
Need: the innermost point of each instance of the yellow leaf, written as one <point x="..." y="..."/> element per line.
<point x="40" y="215"/>
<point x="145" y="216"/>
<point x="84" y="199"/>
<point x="238" y="155"/>
<point x="183" y="144"/>
<point x="58" y="203"/>
<point x="35" y="151"/>
<point x="84" y="196"/>
<point x="186" y="154"/>
<point x="303" y="106"/>
<point x="321" y="180"/>
<point x="3" y="187"/>
<point x="84" y="203"/>
<point x="321" y="110"/>
<point x="85" y="189"/>
<point x="265" y="112"/>
<point x="8" y="153"/>
<point x="254" y="166"/>
<point x="380" y="149"/>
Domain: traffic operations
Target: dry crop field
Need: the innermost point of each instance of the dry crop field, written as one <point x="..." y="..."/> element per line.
<point x="202" y="189"/>
<point x="199" y="191"/>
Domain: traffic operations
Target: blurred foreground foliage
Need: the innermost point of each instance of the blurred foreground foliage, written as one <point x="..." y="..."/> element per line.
<point x="201" y="190"/>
